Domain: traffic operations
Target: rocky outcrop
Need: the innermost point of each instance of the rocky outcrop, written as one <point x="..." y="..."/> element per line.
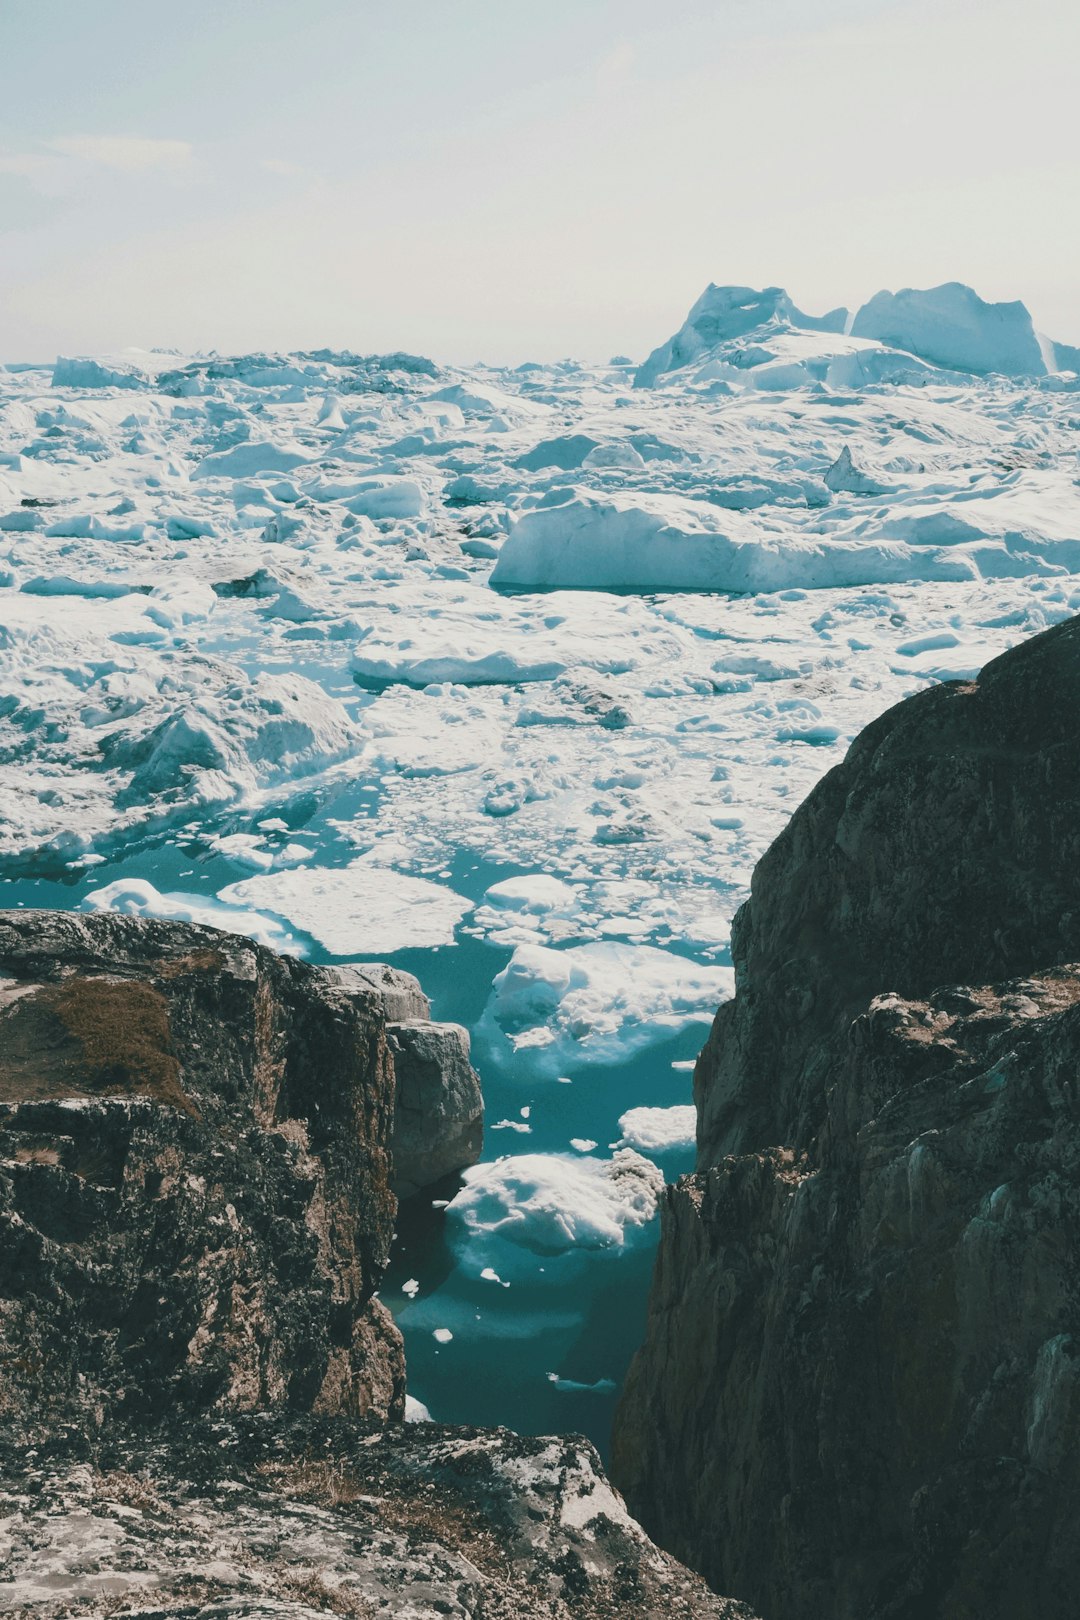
<point x="198" y="1385"/>
<point x="196" y="1142"/>
<point x="296" y="1519"/>
<point x="439" y="1109"/>
<point x="858" y="1391"/>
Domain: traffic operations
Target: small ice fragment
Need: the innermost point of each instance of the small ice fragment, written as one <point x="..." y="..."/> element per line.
<point x="412" y="1288"/>
<point x="583" y="1144"/>
<point x="525" y="1112"/>
<point x="685" y="1064"/>
<point x="443" y="1335"/>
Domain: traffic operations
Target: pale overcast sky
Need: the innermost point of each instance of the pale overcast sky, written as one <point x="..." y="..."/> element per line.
<point x="506" y="179"/>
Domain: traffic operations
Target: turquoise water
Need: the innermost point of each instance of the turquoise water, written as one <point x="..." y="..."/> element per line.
<point x="547" y="1352"/>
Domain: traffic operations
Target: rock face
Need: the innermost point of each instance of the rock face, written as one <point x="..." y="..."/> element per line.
<point x="859" y="1389"/>
<point x="195" y="1179"/>
<point x="439" y="1110"/>
<point x="198" y="1384"/>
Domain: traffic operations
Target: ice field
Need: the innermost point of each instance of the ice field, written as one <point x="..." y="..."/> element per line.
<point x="509" y="677"/>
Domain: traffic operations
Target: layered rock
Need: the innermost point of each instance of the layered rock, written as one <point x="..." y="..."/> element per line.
<point x="199" y="1386"/>
<point x="196" y="1141"/>
<point x="858" y="1391"/>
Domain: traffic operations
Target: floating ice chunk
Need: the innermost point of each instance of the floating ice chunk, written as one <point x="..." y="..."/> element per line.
<point x="528" y="909"/>
<point x="416" y="1411"/>
<point x="725" y="313"/>
<point x="614" y="455"/>
<point x="597" y="1003"/>
<point x="549" y="1203"/>
<point x="387" y="498"/>
<point x="87" y="526"/>
<point x="443" y="1335"/>
<point x="659" y="1130"/>
<point x="571" y="1386"/>
<point x="644" y="542"/>
<point x="478" y="399"/>
<point x="534" y="893"/>
<point x="252" y="456"/>
<point x="135" y="897"/>
<point x="487" y="643"/>
<point x="132" y="368"/>
<point x="363" y="909"/>
<point x="411" y="1288"/>
<point x="64" y="585"/>
<point x="179" y="601"/>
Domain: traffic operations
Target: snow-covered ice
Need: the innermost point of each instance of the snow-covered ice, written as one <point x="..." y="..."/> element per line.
<point x="598" y="1003"/>
<point x="513" y="674"/>
<point x="551" y="1203"/>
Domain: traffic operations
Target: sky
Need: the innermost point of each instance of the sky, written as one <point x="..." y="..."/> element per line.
<point x="504" y="180"/>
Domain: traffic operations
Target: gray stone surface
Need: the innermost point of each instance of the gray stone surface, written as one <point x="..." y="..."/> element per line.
<point x="439" y="1111"/>
<point x="859" y="1393"/>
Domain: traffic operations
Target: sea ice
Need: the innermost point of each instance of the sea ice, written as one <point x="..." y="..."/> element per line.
<point x="659" y="1130"/>
<point x="597" y="1003"/>
<point x="362" y="909"/>
<point x="548" y="1203"/>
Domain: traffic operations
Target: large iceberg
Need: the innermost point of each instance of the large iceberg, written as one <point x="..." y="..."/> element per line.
<point x="723" y="313"/>
<point x="952" y="326"/>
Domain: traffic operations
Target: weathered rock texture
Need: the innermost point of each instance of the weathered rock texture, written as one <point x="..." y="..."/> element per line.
<point x="195" y="1163"/>
<point x="860" y="1389"/>
<point x="198" y="1386"/>
<point x="252" y="1519"/>
<point x="439" y="1113"/>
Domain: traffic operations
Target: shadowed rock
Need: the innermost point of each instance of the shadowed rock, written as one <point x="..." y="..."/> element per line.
<point x="858" y="1394"/>
<point x="439" y="1109"/>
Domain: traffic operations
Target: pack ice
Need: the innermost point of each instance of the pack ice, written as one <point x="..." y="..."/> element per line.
<point x="518" y="671"/>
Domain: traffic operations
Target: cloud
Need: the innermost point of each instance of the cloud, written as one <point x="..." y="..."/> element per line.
<point x="27" y="164"/>
<point x="129" y="154"/>
<point x="286" y="169"/>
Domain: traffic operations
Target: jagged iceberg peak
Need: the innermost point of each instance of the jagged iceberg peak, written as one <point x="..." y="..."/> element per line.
<point x="949" y="327"/>
<point x="724" y="313"/>
<point x="952" y="326"/>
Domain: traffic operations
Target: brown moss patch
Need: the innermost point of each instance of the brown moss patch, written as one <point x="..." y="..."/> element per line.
<point x="423" y="1510"/>
<point x="180" y="967"/>
<point x="90" y="1037"/>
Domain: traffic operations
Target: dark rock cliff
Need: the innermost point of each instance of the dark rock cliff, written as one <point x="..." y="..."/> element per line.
<point x="858" y="1395"/>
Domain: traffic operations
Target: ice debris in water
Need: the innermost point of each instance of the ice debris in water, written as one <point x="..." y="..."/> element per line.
<point x="659" y="1130"/>
<point x="597" y="1003"/>
<point x="550" y="1203"/>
